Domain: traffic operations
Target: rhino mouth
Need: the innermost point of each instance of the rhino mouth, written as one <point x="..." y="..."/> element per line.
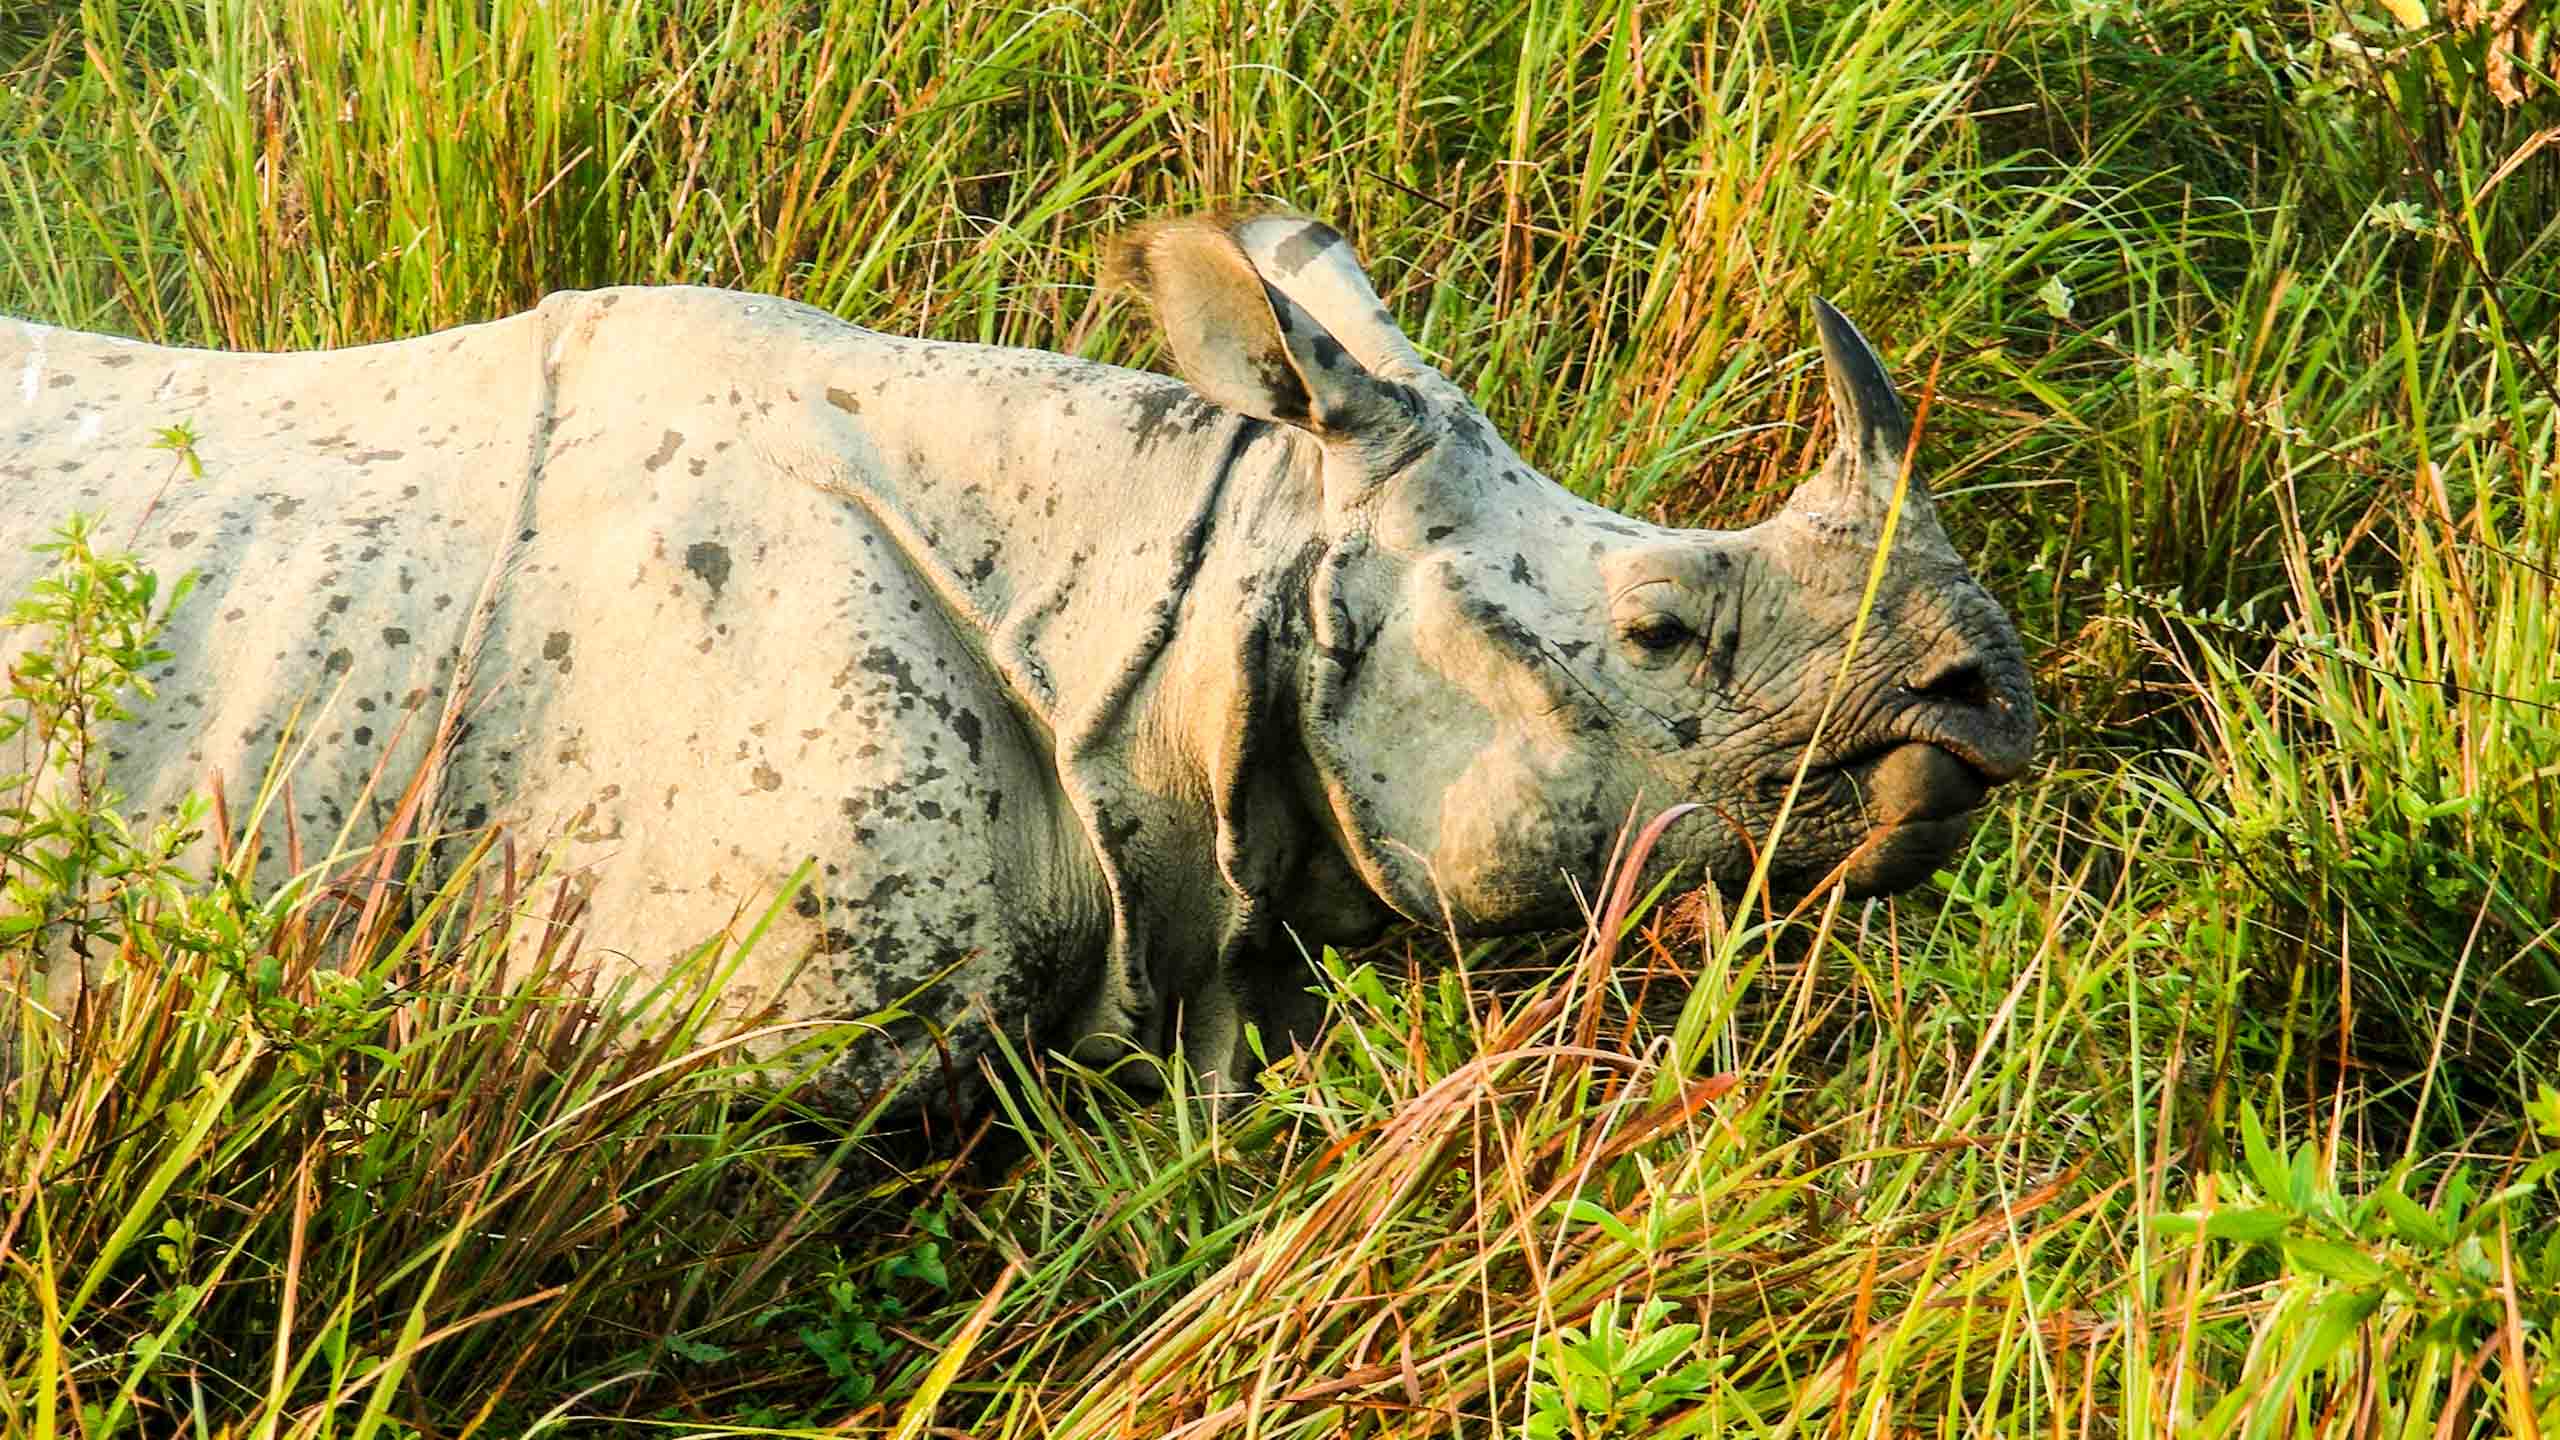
<point x="1915" y="801"/>
<point x="1919" y="799"/>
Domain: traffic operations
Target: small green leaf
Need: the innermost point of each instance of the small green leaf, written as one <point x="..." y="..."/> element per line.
<point x="1589" y="1388"/>
<point x="1656" y="1351"/>
<point x="2265" y="1166"/>
<point x="2333" y="1324"/>
<point x="699" y="1352"/>
<point x="2331" y="1260"/>
<point x="2253" y="1225"/>
<point x="2413" y="1222"/>
<point x="2544" y="1110"/>
<point x="1590" y="1212"/>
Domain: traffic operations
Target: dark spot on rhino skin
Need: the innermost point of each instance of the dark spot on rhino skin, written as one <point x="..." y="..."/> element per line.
<point x="841" y="399"/>
<point x="1117" y="836"/>
<point x="181" y="539"/>
<point x="1439" y="532"/>
<point x="1572" y="649"/>
<point x="555" y="647"/>
<point x="1326" y="349"/>
<point x="805" y="905"/>
<point x="766" y="777"/>
<point x="696" y="466"/>
<point x="964" y="723"/>
<point x="1302" y="248"/>
<point x="61" y="379"/>
<point x="1520" y="572"/>
<point x="1153" y="408"/>
<point x="115" y="362"/>
<point x="340" y="659"/>
<point x="365" y="704"/>
<point x="395" y="636"/>
<point x="369" y="456"/>
<point x="709" y="560"/>
<point x="364" y="734"/>
<point x="338" y="604"/>
<point x="881" y="660"/>
<point x="1281" y="386"/>
<point x="284" y="508"/>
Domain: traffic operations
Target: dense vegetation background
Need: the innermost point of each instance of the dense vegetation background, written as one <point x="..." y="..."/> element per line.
<point x="2209" y="1093"/>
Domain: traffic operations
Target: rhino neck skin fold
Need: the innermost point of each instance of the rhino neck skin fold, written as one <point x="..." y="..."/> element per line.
<point x="1092" y="695"/>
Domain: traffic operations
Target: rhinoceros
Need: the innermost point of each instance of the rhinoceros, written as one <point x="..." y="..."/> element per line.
<point x="1094" y="698"/>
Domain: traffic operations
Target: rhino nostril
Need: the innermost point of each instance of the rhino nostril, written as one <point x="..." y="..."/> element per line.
<point x="1962" y="683"/>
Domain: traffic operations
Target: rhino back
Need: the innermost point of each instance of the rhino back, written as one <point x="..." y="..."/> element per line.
<point x="709" y="664"/>
<point x="350" y="508"/>
<point x="715" y="586"/>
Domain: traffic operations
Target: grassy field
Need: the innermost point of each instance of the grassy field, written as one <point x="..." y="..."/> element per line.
<point x="2210" y="1093"/>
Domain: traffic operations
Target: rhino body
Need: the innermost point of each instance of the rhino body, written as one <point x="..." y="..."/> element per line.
<point x="1091" y="696"/>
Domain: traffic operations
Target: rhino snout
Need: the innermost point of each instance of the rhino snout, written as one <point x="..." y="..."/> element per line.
<point x="1979" y="709"/>
<point x="1917" y="782"/>
<point x="1919" y="800"/>
<point x="1967" y="726"/>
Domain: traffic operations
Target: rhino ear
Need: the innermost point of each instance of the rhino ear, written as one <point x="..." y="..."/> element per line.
<point x="1241" y="342"/>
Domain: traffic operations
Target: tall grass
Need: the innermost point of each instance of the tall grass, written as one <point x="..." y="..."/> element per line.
<point x="2207" y="1094"/>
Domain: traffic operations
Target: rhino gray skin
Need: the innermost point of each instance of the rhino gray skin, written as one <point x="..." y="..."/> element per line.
<point x="1093" y="695"/>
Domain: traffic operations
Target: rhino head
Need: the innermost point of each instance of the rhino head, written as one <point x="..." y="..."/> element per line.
<point x="1496" y="675"/>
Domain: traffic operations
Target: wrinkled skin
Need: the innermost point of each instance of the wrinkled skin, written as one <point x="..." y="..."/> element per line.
<point x="1089" y="697"/>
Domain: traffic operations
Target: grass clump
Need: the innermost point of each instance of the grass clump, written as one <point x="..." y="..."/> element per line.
<point x="2208" y="1094"/>
<point x="284" y="1159"/>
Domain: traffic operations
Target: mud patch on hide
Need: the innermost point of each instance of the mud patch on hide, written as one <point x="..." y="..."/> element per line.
<point x="668" y="445"/>
<point x="709" y="561"/>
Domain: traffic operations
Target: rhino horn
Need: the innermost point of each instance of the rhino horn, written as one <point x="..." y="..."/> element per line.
<point x="1853" y="492"/>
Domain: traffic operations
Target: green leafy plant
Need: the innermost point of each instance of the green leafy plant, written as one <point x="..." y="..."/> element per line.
<point x="1617" y="1371"/>
<point x="75" y="873"/>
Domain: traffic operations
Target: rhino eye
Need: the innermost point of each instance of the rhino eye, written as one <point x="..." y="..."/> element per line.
<point x="1659" y="632"/>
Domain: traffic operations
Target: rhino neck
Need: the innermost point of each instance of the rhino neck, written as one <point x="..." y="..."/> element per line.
<point x="1131" y="563"/>
<point x="1206" y="705"/>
